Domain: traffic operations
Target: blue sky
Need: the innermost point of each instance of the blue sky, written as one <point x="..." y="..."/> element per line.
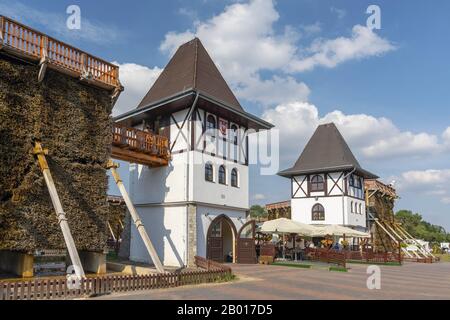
<point x="297" y="64"/>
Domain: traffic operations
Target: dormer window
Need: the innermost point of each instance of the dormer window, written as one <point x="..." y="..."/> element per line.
<point x="317" y="183"/>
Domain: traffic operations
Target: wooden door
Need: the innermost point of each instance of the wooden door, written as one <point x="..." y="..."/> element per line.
<point x="215" y="246"/>
<point x="215" y="242"/>
<point x="246" y="250"/>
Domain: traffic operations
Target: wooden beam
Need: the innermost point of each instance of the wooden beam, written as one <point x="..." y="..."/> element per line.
<point x="138" y="157"/>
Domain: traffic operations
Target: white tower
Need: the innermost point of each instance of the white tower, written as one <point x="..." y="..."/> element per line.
<point x="328" y="182"/>
<point x="198" y="204"/>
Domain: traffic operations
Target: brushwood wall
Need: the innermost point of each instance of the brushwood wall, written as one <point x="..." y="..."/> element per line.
<point x="73" y="121"/>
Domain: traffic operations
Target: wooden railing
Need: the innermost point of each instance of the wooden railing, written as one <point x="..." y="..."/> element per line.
<point x="36" y="45"/>
<point x="140" y="141"/>
<point x="59" y="289"/>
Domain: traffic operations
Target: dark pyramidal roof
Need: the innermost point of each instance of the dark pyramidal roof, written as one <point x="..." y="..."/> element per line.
<point x="191" y="68"/>
<point x="326" y="151"/>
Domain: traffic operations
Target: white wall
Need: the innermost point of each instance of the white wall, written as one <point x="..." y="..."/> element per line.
<point x="205" y="215"/>
<point x="166" y="227"/>
<point x="214" y="192"/>
<point x="184" y="138"/>
<point x="157" y="185"/>
<point x="355" y="218"/>
<point x="301" y="210"/>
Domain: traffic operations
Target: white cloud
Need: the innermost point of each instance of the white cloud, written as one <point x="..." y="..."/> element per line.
<point x="432" y="182"/>
<point x="243" y="42"/>
<point x="329" y="53"/>
<point x="426" y="177"/>
<point x="259" y="196"/>
<point x="341" y="13"/>
<point x="446" y="137"/>
<point x="56" y="23"/>
<point x="273" y="91"/>
<point x="368" y="136"/>
<point x="137" y="80"/>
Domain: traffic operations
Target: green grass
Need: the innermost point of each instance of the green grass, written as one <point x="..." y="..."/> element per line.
<point x="376" y="263"/>
<point x="293" y="265"/>
<point x="443" y="257"/>
<point x="337" y="269"/>
<point x="226" y="278"/>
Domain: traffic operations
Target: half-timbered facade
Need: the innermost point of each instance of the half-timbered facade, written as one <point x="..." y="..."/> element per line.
<point x="327" y="182"/>
<point x="198" y="203"/>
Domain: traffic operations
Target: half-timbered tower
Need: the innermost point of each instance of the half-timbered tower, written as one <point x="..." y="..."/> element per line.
<point x="197" y="204"/>
<point x="328" y="182"/>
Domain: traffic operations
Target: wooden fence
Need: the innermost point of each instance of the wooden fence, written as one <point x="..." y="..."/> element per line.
<point x="58" y="288"/>
<point x="342" y="257"/>
<point x="325" y="255"/>
<point x="370" y="256"/>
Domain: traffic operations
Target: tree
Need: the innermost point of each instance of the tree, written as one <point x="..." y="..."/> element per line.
<point x="418" y="228"/>
<point x="258" y="212"/>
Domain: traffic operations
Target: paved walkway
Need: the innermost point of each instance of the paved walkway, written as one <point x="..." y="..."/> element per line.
<point x="410" y="281"/>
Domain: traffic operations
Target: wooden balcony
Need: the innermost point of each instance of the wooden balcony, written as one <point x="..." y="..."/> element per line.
<point x="31" y="45"/>
<point x="137" y="146"/>
<point x="377" y="186"/>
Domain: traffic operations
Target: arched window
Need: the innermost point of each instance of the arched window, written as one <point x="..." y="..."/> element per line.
<point x="360" y="208"/>
<point x="317" y="183"/>
<point x="222" y="175"/>
<point x="211" y="125"/>
<point x="209" y="172"/>
<point x="318" y="212"/>
<point x="351" y="207"/>
<point x="234" y="178"/>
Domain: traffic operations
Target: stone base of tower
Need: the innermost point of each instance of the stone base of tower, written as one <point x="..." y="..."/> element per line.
<point x="17" y="263"/>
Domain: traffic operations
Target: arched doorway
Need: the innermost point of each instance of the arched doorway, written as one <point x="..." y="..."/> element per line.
<point x="221" y="239"/>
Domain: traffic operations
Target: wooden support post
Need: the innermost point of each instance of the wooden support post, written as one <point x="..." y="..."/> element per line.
<point x="135" y="216"/>
<point x="44" y="58"/>
<point x="62" y="220"/>
<point x="417" y="242"/>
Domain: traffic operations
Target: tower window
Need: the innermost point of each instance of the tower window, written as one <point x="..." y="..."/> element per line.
<point x="318" y="212"/>
<point x="209" y="172"/>
<point x="211" y="124"/>
<point x="234" y="178"/>
<point x="234" y="134"/>
<point x="222" y="175"/>
<point x="317" y="183"/>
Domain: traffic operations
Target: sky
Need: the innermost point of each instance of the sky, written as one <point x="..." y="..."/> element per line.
<point x="296" y="64"/>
